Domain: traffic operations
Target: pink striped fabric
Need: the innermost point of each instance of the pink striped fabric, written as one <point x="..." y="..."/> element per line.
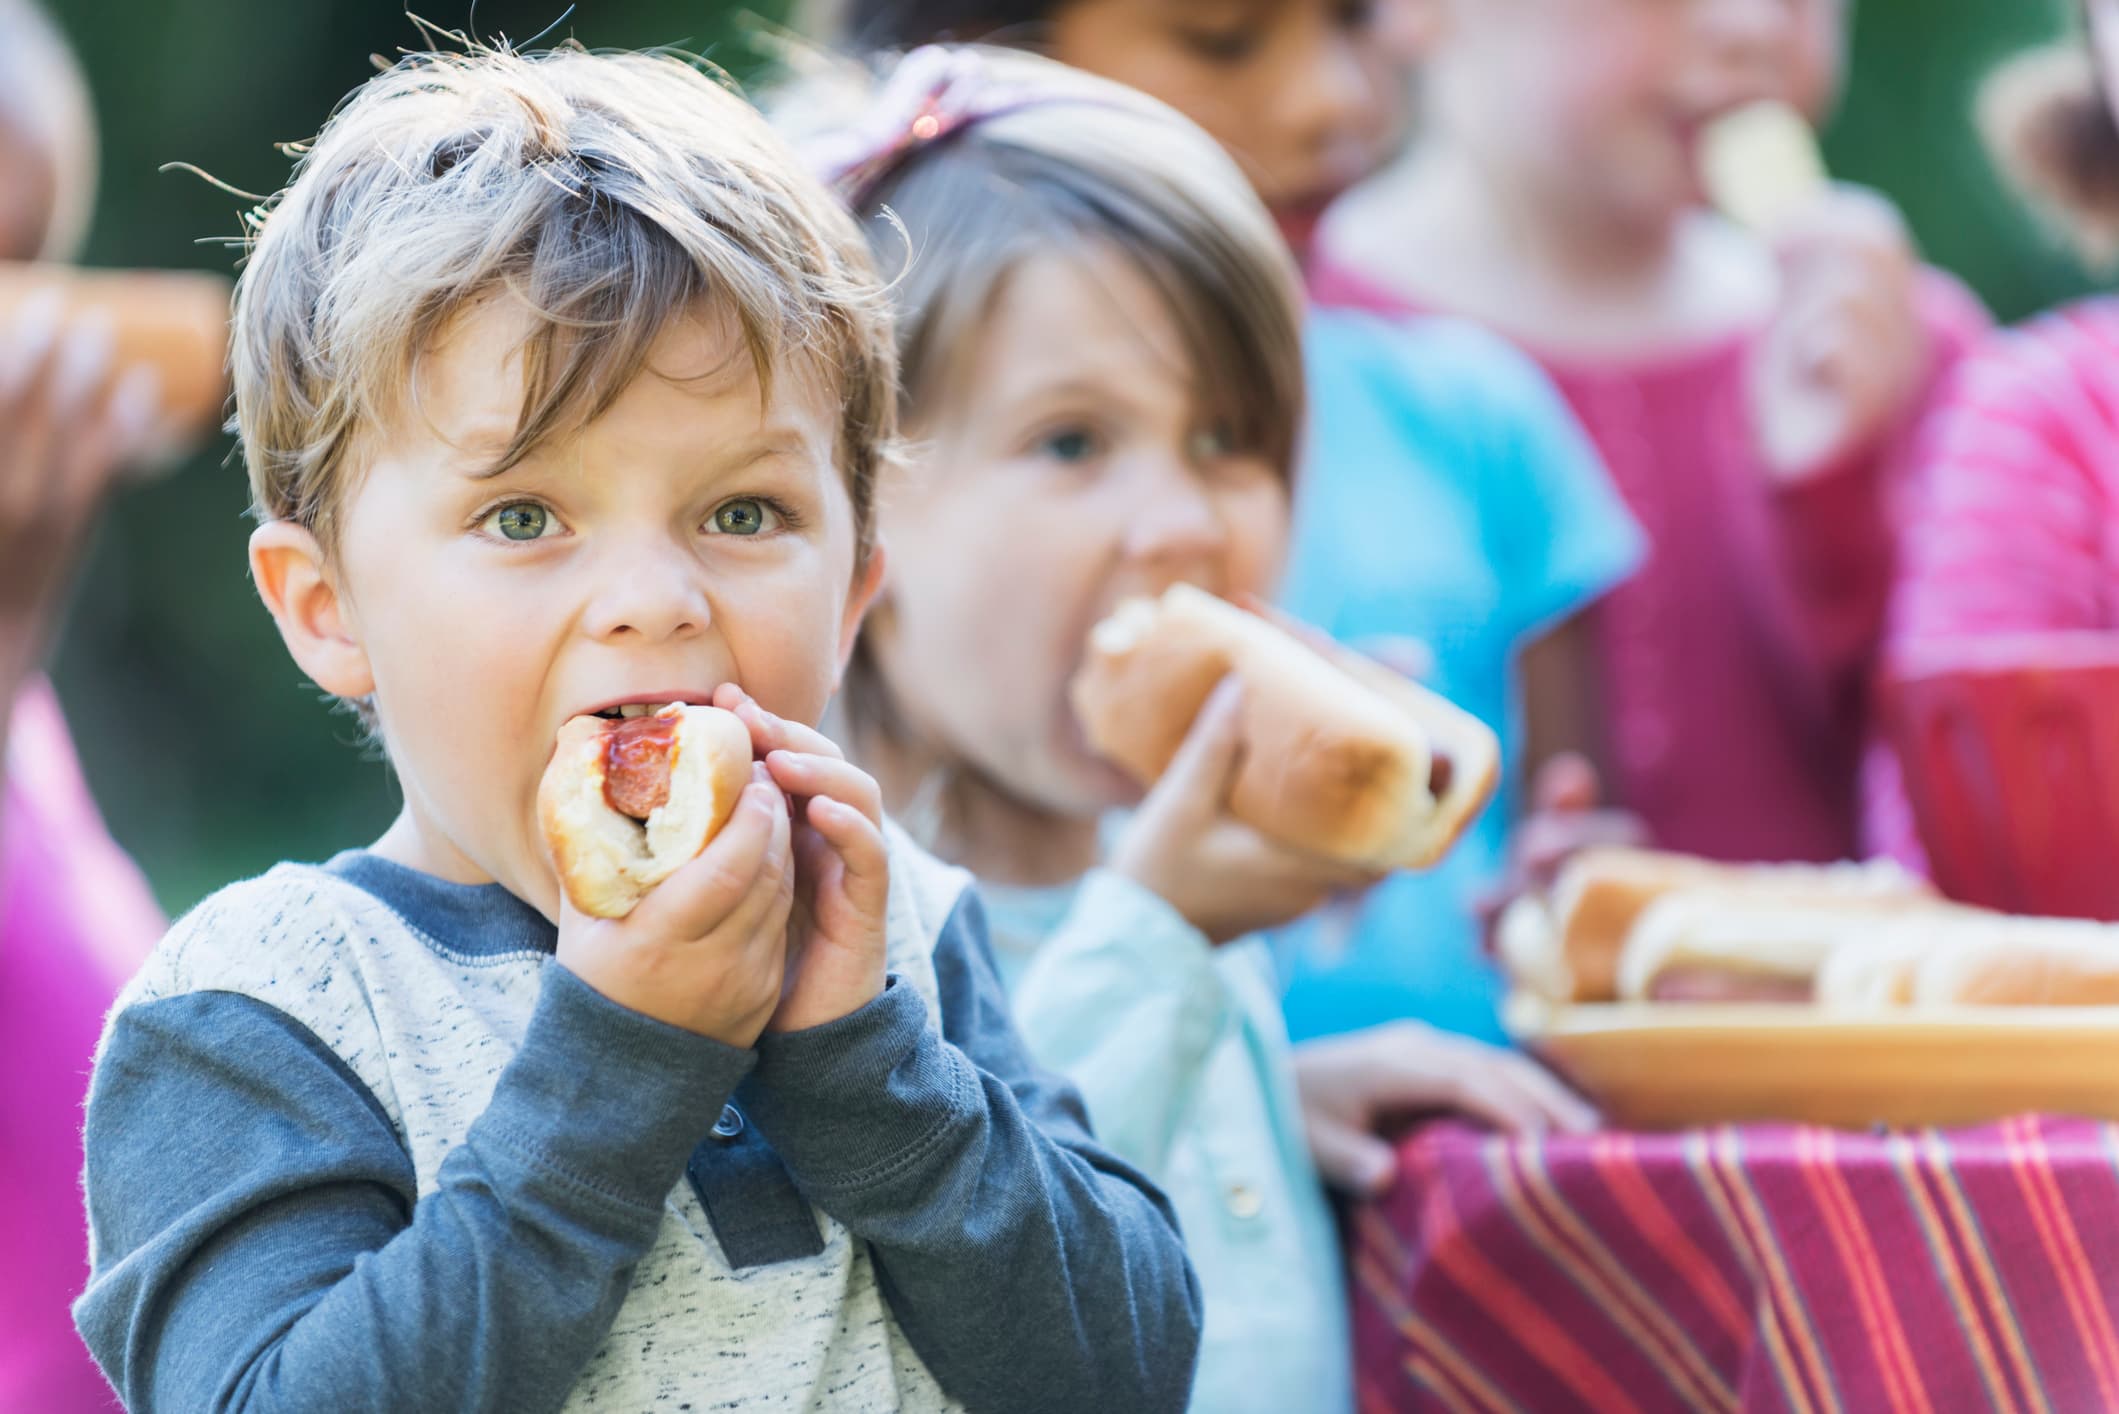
<point x="2015" y="520"/>
<point x="1769" y="1268"/>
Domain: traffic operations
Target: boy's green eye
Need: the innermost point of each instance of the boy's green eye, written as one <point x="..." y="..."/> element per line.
<point x="525" y="520"/>
<point x="743" y="516"/>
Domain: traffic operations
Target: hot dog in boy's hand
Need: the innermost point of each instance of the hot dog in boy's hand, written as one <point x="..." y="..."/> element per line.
<point x="1345" y="761"/>
<point x="627" y="801"/>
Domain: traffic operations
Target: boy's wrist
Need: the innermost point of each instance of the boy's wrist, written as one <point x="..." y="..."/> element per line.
<point x="845" y="1101"/>
<point x="608" y="1098"/>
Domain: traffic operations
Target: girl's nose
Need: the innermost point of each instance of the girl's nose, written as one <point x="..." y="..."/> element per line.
<point x="1174" y="522"/>
<point x="1746" y="43"/>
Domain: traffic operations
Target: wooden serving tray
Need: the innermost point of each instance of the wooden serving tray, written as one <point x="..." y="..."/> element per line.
<point x="1664" y="1066"/>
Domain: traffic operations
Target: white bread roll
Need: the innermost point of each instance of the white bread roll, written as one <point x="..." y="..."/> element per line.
<point x="1997" y="960"/>
<point x="1761" y="162"/>
<point x="1338" y="760"/>
<point x="175" y="321"/>
<point x="1875" y="974"/>
<point x="1709" y="945"/>
<point x="607" y="860"/>
<point x="1602" y="893"/>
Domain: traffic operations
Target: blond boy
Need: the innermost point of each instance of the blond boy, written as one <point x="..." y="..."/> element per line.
<point x="561" y="389"/>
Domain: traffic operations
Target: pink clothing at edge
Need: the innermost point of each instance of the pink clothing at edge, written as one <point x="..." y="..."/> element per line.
<point x="75" y="919"/>
<point x="2015" y="507"/>
<point x="1734" y="663"/>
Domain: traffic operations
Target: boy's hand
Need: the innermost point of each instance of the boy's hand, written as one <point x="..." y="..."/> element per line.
<point x="835" y="936"/>
<point x="1847" y="351"/>
<point x="1226" y="878"/>
<point x="706" y="949"/>
<point x="1353" y="1086"/>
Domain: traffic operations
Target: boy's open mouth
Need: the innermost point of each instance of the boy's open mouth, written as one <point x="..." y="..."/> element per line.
<point x="631" y="709"/>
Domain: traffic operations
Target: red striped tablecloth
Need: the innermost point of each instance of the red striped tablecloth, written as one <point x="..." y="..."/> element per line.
<point x="1752" y="1268"/>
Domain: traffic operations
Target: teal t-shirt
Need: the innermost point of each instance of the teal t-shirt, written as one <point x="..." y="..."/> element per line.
<point x="1447" y="495"/>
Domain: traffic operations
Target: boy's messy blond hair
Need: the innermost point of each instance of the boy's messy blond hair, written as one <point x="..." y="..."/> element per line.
<point x="608" y="192"/>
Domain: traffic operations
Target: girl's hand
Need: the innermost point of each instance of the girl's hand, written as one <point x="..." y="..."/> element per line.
<point x="1354" y="1086"/>
<point x="1227" y="879"/>
<point x="68" y="427"/>
<point x="1847" y="352"/>
<point x="836" y="939"/>
<point x="1565" y="817"/>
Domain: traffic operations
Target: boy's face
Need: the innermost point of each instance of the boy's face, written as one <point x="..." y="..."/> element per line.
<point x="1065" y="469"/>
<point x="686" y="538"/>
<point x="1302" y="92"/>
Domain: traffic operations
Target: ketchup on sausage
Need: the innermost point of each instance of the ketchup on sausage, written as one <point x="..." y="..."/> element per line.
<point x="636" y="765"/>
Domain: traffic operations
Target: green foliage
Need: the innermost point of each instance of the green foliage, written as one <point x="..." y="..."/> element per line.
<point x="211" y="756"/>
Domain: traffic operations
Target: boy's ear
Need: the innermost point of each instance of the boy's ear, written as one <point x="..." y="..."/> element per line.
<point x="868" y="582"/>
<point x="287" y="565"/>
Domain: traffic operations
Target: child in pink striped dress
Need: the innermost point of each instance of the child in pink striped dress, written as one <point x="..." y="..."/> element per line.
<point x="2015" y="519"/>
<point x="1749" y="395"/>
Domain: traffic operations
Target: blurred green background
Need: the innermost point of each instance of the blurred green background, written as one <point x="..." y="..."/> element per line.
<point x="213" y="759"/>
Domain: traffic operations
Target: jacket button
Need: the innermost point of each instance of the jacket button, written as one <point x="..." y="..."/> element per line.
<point x="1245" y="1201"/>
<point x="730" y="1124"/>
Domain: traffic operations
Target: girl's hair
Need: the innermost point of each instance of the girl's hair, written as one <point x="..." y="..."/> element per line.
<point x="964" y="163"/>
<point x="902" y="24"/>
<point x="2052" y="133"/>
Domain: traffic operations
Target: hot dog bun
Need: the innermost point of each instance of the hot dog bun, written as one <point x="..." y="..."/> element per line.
<point x="1761" y="162"/>
<point x="1601" y="895"/>
<point x="608" y="861"/>
<point x="1712" y="946"/>
<point x="1996" y="960"/>
<point x="174" y="321"/>
<point x="1338" y="761"/>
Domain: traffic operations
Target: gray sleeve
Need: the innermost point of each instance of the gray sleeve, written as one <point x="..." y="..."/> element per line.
<point x="259" y="1243"/>
<point x="1031" y="1269"/>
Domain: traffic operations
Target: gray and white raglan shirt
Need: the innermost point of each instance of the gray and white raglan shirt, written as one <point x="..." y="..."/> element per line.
<point x="356" y="1142"/>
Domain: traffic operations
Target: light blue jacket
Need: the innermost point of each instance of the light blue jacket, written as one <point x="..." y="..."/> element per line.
<point x="1179" y="1050"/>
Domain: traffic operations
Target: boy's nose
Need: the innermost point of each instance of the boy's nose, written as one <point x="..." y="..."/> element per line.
<point x="648" y="598"/>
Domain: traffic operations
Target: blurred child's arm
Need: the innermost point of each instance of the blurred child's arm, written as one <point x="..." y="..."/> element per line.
<point x="67" y="430"/>
<point x="1030" y="1268"/>
<point x="259" y="1242"/>
<point x="1866" y="334"/>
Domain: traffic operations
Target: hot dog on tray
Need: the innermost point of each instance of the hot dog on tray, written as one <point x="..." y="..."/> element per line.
<point x="626" y="801"/>
<point x="1342" y="759"/>
<point x="1568" y="946"/>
